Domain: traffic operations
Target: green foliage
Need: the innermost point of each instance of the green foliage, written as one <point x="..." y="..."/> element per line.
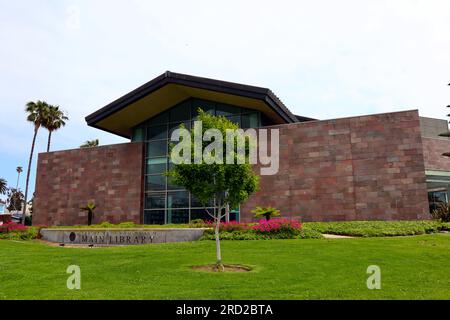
<point x="228" y="183"/>
<point x="442" y="212"/>
<point x="3" y="186"/>
<point x="28" y="220"/>
<point x="90" y="144"/>
<point x="309" y="234"/>
<point x="54" y="120"/>
<point x="37" y="112"/>
<point x="29" y="234"/>
<point x="445" y="226"/>
<point x="15" y="200"/>
<point x="266" y="212"/>
<point x="251" y="235"/>
<point x="375" y="228"/>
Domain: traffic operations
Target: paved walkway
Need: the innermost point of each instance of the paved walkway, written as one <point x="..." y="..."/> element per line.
<point x="335" y="236"/>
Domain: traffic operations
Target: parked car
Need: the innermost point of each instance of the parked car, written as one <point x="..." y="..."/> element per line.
<point x="16" y="217"/>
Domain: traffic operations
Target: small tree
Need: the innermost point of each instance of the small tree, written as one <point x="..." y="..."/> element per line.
<point x="15" y="200"/>
<point x="227" y="184"/>
<point x="267" y="212"/>
<point x="90" y="207"/>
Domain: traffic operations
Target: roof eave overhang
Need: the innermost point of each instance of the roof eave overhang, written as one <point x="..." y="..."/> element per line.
<point x="263" y="94"/>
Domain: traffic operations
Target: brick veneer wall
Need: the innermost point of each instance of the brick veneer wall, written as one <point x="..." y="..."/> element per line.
<point x="433" y="150"/>
<point x="360" y="168"/>
<point x="112" y="176"/>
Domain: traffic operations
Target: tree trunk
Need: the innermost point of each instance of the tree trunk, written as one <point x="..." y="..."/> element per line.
<point x="17" y="184"/>
<point x="219" y="264"/>
<point x="28" y="175"/>
<point x="49" y="139"/>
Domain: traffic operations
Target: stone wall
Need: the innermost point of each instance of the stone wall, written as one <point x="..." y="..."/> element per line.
<point x="111" y="176"/>
<point x="360" y="168"/>
<point x="433" y="150"/>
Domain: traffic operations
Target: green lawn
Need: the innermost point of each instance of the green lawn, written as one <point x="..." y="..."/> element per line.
<point x="412" y="268"/>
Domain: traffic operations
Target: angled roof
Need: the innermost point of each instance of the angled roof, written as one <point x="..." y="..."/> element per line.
<point x="168" y="89"/>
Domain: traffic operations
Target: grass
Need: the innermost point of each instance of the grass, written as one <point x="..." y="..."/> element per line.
<point x="411" y="268"/>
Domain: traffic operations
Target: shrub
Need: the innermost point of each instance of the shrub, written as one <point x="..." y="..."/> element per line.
<point x="5" y="218"/>
<point x="442" y="212"/>
<point x="28" y="220"/>
<point x="14" y="231"/>
<point x="199" y="223"/>
<point x="376" y="228"/>
<point x="12" y="226"/>
<point x="27" y="234"/>
<point x="127" y="224"/>
<point x="233" y="226"/>
<point x="284" y="226"/>
<point x="235" y="235"/>
<point x="309" y="234"/>
<point x="445" y="226"/>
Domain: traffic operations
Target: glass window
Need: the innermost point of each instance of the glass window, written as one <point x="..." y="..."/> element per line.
<point x="196" y="203"/>
<point x="169" y="165"/>
<point x="157" y="132"/>
<point x="156" y="165"/>
<point x="156" y="182"/>
<point x="226" y="110"/>
<point x="250" y="120"/>
<point x="157" y="148"/>
<point x="155" y="201"/>
<point x="138" y="134"/>
<point x="178" y="216"/>
<point x="235" y="119"/>
<point x="164" y="201"/>
<point x="154" y="217"/>
<point x="178" y="199"/>
<point x="173" y="126"/>
<point x="201" y="214"/>
<point x="181" y="112"/>
<point x="172" y="186"/>
<point x="159" y="119"/>
<point x="207" y="106"/>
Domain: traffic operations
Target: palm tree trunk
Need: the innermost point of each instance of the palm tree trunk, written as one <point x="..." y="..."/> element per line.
<point x="17" y="184"/>
<point x="49" y="139"/>
<point x="28" y="175"/>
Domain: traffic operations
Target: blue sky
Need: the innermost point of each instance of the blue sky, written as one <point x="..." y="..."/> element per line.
<point x="324" y="59"/>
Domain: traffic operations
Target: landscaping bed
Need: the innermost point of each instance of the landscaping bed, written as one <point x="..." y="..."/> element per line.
<point x="378" y="228"/>
<point x="277" y="228"/>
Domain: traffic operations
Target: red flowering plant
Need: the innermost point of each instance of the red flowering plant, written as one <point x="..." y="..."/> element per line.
<point x="278" y="226"/>
<point x="11" y="227"/>
<point x="233" y="226"/>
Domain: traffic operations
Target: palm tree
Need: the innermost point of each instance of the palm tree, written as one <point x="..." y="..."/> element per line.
<point x="19" y="171"/>
<point x="3" y="186"/>
<point x="55" y="119"/>
<point x="90" y="144"/>
<point x="37" y="115"/>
